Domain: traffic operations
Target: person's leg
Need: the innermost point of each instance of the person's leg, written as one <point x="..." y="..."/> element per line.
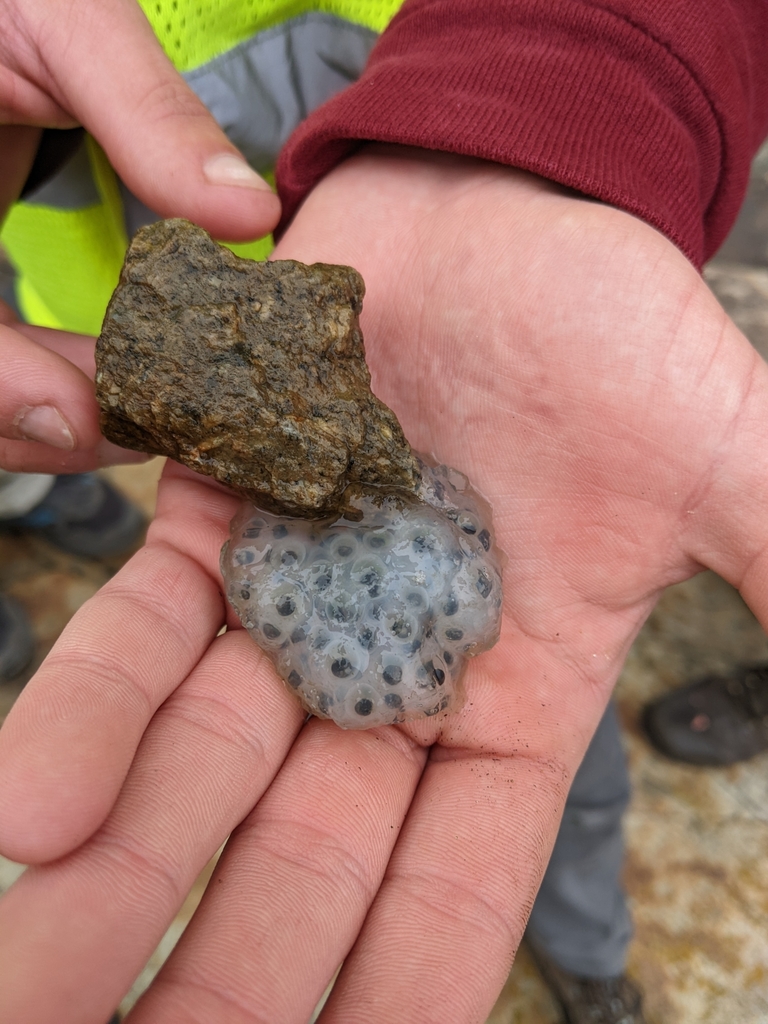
<point x="580" y="926"/>
<point x="84" y="515"/>
<point x="19" y="492"/>
<point x="17" y="644"/>
<point x="580" y="916"/>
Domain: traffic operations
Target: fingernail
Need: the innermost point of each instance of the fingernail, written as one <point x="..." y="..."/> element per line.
<point x="228" y="169"/>
<point x="45" y="423"/>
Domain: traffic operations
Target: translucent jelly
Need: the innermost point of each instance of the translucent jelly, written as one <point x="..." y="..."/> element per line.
<point x="370" y="621"/>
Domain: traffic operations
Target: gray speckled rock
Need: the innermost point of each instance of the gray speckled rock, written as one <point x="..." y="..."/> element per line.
<point x="252" y="373"/>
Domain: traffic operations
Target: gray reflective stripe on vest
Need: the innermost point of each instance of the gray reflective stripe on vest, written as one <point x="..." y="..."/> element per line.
<point x="71" y="188"/>
<point x="135" y="213"/>
<point x="260" y="90"/>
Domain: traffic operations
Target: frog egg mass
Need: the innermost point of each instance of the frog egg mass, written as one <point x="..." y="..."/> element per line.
<point x="370" y="620"/>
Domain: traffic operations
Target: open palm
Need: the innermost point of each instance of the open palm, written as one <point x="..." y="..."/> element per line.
<point x="570" y="360"/>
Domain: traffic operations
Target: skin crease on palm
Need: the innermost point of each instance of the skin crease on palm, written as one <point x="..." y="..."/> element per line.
<point x="570" y="360"/>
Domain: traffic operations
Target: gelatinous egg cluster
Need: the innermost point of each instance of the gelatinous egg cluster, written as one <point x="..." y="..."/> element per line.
<point x="370" y="621"/>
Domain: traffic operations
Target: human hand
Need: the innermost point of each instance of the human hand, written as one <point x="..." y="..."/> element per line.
<point x="568" y="358"/>
<point x="99" y="64"/>
<point x="49" y="418"/>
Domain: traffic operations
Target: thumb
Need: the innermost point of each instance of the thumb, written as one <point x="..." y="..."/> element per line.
<point x="49" y="418"/>
<point x="727" y="526"/>
<point x="102" y="62"/>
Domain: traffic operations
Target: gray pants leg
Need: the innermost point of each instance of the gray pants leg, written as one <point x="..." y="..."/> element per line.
<point x="580" y="918"/>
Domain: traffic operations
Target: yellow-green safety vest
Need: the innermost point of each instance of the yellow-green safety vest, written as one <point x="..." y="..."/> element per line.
<point x="260" y="66"/>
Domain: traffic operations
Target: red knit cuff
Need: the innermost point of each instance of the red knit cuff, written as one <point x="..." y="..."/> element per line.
<point x="658" y="115"/>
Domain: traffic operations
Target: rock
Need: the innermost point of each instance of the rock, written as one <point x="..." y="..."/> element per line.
<point x="252" y="373"/>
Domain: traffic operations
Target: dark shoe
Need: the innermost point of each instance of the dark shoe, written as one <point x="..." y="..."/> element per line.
<point x="83" y="514"/>
<point x="17" y="645"/>
<point x="591" y="1000"/>
<point x="716" y="721"/>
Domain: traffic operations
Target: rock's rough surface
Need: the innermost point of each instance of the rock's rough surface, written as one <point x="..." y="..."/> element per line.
<point x="252" y="373"/>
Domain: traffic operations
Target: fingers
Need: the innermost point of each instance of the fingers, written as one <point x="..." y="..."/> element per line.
<point x="440" y="938"/>
<point x="294" y="883"/>
<point x="100" y="911"/>
<point x="49" y="418"/>
<point x="78" y="349"/>
<point x="118" y="660"/>
<point x="88" y="923"/>
<point x="297" y="879"/>
<point x="120" y="657"/>
<point x="106" y="67"/>
<point x="22" y="102"/>
<point x="28" y="457"/>
<point x="45" y="398"/>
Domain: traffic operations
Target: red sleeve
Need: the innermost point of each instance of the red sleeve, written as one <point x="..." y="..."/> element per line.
<point x="654" y="106"/>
